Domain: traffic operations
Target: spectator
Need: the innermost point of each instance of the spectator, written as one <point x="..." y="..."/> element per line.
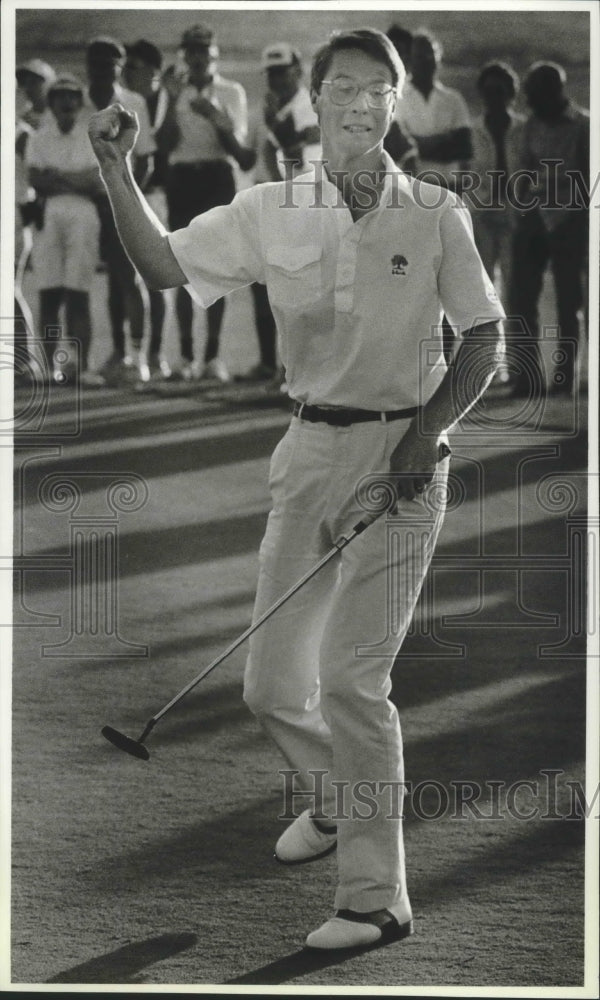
<point x="62" y="167"/>
<point x="497" y="137"/>
<point x="552" y="229"/>
<point x="435" y="116"/>
<point x="285" y="135"/>
<point x="105" y="58"/>
<point x="204" y="127"/>
<point x="34" y="78"/>
<point x="142" y="69"/>
<point x="398" y="143"/>
<point x="23" y="327"/>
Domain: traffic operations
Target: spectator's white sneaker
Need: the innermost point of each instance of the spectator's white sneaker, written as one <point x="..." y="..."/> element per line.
<point x="215" y="369"/>
<point x="304" y="841"/>
<point x="92" y="380"/>
<point x="137" y="365"/>
<point x="350" y="929"/>
<point x="190" y="371"/>
<point x="159" y="367"/>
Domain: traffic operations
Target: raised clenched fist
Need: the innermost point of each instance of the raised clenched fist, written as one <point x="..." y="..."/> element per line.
<point x="113" y="132"/>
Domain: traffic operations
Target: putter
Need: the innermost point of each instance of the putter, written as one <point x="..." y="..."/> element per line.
<point x="136" y="747"/>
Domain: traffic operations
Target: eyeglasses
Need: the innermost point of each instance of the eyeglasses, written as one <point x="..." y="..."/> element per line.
<point x="344" y="90"/>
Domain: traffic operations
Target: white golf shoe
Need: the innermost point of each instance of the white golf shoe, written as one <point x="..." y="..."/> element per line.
<point x="350" y="929"/>
<point x="304" y="841"/>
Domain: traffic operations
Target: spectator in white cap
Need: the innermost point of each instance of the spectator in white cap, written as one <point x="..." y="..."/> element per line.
<point x="203" y="134"/>
<point x="285" y="135"/>
<point x="63" y="169"/>
<point x="288" y="112"/>
<point x="33" y="79"/>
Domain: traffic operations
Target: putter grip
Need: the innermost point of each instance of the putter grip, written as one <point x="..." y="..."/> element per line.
<point x="368" y="519"/>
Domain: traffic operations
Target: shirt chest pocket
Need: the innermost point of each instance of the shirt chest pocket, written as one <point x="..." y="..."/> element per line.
<point x="294" y="274"/>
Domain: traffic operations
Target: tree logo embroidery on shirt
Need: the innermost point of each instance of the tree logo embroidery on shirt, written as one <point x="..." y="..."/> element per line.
<point x="399" y="264"/>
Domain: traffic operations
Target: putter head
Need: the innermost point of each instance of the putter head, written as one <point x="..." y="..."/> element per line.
<point x="125" y="743"/>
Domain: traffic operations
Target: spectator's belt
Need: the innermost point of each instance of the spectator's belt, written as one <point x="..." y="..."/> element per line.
<point x="344" y="417"/>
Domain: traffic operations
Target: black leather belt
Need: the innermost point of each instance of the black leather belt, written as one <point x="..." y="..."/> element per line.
<point x="344" y="417"/>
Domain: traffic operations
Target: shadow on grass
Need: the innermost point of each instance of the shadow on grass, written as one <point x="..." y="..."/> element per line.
<point x="301" y="963"/>
<point x="121" y="965"/>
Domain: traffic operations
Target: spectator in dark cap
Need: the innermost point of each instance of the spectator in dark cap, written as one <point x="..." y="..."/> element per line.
<point x="203" y="130"/>
<point x="551" y="229"/>
<point x="65" y="251"/>
<point x="143" y="65"/>
<point x="105" y="58"/>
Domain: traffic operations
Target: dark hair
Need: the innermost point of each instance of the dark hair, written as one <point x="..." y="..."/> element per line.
<point x="424" y="35"/>
<point x="146" y="51"/>
<point x="368" y="40"/>
<point x="400" y="37"/>
<point x="502" y="70"/>
<point x="104" y="47"/>
<point x="547" y="74"/>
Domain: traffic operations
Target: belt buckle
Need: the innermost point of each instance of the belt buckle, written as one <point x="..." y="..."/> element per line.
<point x="343" y="419"/>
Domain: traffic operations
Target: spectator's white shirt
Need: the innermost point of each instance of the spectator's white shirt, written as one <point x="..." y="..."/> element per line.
<point x="303" y="116"/>
<point x="199" y="139"/>
<point x="64" y="151"/>
<point x="444" y="109"/>
<point x="131" y="101"/>
<point x="484" y="161"/>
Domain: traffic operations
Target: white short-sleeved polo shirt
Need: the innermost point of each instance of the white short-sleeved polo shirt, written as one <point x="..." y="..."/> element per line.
<point x="358" y="305"/>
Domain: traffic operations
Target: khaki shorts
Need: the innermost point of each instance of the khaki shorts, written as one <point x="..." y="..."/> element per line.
<point x="65" y="251"/>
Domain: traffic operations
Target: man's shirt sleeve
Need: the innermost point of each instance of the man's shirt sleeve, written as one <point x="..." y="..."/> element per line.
<point x="220" y="250"/>
<point x="467" y="295"/>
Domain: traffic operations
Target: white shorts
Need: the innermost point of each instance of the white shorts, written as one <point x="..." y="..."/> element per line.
<point x="65" y="251"/>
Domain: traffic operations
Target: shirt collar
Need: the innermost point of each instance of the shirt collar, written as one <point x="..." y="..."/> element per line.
<point x="396" y="184"/>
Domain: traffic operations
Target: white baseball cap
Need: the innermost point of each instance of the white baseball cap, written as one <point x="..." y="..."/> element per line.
<point x="37" y="67"/>
<point x="279" y="54"/>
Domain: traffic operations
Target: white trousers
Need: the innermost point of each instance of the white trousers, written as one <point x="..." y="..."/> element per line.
<point x="318" y="672"/>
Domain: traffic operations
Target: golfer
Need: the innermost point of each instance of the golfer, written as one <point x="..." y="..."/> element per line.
<point x="360" y="263"/>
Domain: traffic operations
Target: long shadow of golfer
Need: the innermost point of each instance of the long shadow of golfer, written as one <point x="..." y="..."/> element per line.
<point x="122" y="965"/>
<point x="299" y="963"/>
